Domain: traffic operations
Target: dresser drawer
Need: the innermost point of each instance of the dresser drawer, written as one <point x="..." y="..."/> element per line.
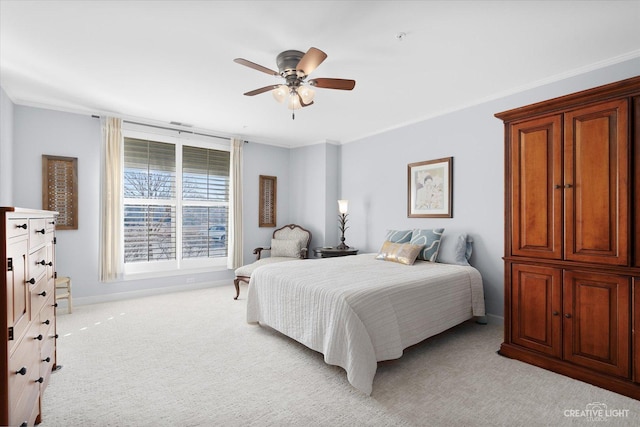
<point x="48" y="314"/>
<point x="38" y="263"/>
<point x="24" y="378"/>
<point x="17" y="227"/>
<point x="37" y="231"/>
<point x="47" y="356"/>
<point x="48" y="331"/>
<point x="25" y="408"/>
<point x="39" y="295"/>
<point x="47" y="360"/>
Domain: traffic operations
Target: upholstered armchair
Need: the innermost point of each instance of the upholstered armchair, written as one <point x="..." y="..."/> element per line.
<point x="288" y="243"/>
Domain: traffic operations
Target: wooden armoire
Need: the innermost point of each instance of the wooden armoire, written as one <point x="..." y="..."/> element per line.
<point x="572" y="235"/>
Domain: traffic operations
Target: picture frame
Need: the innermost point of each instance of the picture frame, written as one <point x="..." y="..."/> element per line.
<point x="430" y="189"/>
<point x="268" y="201"/>
<point x="60" y="189"/>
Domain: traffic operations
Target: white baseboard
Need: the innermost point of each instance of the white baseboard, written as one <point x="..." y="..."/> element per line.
<point x="96" y="299"/>
<point x="492" y="319"/>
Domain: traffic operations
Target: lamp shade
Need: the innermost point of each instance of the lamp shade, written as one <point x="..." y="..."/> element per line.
<point x="343" y="206"/>
<point x="306" y="93"/>
<point x="293" y="102"/>
<point x="280" y="93"/>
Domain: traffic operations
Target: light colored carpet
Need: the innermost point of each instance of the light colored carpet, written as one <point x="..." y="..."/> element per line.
<point x="189" y="359"/>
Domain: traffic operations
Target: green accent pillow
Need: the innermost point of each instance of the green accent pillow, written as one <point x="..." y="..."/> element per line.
<point x="398" y="236"/>
<point x="429" y="239"/>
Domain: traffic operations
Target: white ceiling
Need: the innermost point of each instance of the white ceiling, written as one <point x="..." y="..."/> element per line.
<point x="173" y="60"/>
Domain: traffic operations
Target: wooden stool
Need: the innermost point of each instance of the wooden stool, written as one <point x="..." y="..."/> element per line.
<point x="63" y="291"/>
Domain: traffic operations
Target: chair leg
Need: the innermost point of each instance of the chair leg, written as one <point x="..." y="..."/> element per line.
<point x="70" y="304"/>
<point x="236" y="282"/>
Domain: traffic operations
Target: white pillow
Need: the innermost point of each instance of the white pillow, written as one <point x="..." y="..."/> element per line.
<point x="455" y="249"/>
<point x="285" y="248"/>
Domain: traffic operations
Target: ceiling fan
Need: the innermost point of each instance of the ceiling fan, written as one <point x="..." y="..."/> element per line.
<point x="295" y="66"/>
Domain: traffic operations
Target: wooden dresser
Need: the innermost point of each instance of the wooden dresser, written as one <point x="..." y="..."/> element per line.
<point x="572" y="221"/>
<point x="29" y="328"/>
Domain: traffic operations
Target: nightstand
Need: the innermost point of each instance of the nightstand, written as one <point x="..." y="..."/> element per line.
<point x="334" y="252"/>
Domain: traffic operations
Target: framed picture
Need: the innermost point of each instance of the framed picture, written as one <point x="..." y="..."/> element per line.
<point x="268" y="200"/>
<point x="60" y="189"/>
<point x="430" y="189"/>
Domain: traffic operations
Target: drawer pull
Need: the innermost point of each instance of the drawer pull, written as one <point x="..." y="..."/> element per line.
<point x="22" y="226"/>
<point x="50" y="264"/>
<point x="48" y="359"/>
<point x="46" y="322"/>
<point x="22" y="371"/>
<point x="54" y="336"/>
<point x="40" y="380"/>
<point x="43" y="262"/>
<point x="55" y="304"/>
<point x="24" y="424"/>
<point x="39" y="337"/>
<point x="43" y="294"/>
<point x="568" y="316"/>
<point x="41" y="231"/>
<point x="32" y="281"/>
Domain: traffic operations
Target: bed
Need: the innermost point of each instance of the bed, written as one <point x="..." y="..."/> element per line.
<point x="358" y="310"/>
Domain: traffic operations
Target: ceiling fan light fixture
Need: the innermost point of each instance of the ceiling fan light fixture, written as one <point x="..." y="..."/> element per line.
<point x="280" y="93"/>
<point x="307" y="94"/>
<point x="293" y="102"/>
<point x="295" y="66"/>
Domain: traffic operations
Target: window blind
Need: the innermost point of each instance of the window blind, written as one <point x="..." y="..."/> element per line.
<point x="157" y="219"/>
<point x="149" y="169"/>
<point x="205" y="177"/>
<point x="205" y="174"/>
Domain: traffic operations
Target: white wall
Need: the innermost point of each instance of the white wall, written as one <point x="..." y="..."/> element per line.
<point x="314" y="191"/>
<point x="40" y="131"/>
<point x="261" y="159"/>
<point x="371" y="173"/>
<point x="6" y="150"/>
<point x="374" y="174"/>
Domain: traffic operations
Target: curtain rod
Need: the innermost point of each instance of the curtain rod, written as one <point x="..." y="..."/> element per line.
<point x="168" y="128"/>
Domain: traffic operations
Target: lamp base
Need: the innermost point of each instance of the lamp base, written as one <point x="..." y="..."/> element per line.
<point x="342" y="246"/>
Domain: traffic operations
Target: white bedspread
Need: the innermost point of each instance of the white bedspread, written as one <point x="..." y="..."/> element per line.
<point x="357" y="310"/>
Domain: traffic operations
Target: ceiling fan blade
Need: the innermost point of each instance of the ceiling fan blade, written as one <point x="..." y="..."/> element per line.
<point x="342" y="84"/>
<point x="255" y="66"/>
<point x="262" y="90"/>
<point x="311" y="60"/>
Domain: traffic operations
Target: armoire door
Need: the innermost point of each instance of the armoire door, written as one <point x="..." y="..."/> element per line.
<point x="536" y="188"/>
<point x="596" y="184"/>
<point x="596" y="320"/>
<point x="536" y="321"/>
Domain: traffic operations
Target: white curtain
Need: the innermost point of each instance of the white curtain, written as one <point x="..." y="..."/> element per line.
<point x="111" y="259"/>
<point x="234" y="260"/>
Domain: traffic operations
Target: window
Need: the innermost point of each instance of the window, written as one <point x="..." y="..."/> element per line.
<point x="176" y="203"/>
